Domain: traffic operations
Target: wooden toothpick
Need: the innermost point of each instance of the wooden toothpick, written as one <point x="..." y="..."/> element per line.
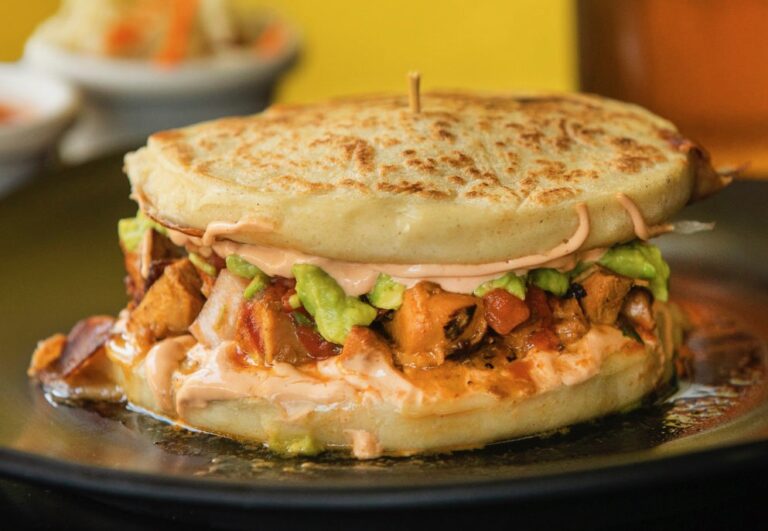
<point x="414" y="79"/>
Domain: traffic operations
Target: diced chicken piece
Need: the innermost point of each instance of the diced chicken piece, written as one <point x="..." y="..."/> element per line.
<point x="264" y="328"/>
<point x="171" y="304"/>
<point x="61" y="357"/>
<point x="156" y="247"/>
<point x="605" y="295"/>
<point x="46" y="353"/>
<point x="363" y="339"/>
<point x="504" y="311"/>
<point x="432" y="324"/>
<point x="146" y="265"/>
<point x="569" y="321"/>
<point x="216" y="321"/>
<point x="531" y="337"/>
<point x="637" y="309"/>
<point x="538" y="331"/>
<point x="134" y="284"/>
<point x="269" y="327"/>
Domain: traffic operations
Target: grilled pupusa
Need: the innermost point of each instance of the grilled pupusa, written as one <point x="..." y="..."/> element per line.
<point x="356" y="275"/>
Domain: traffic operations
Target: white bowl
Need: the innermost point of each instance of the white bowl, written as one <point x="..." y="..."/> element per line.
<point x="28" y="144"/>
<point x="126" y="99"/>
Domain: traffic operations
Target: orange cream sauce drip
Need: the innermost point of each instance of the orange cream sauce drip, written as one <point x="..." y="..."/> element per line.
<point x="365" y="445"/>
<point x="220" y="228"/>
<point x="366" y="375"/>
<point x="357" y="278"/>
<point x="161" y="362"/>
<point x="297" y="390"/>
<point x="642" y="230"/>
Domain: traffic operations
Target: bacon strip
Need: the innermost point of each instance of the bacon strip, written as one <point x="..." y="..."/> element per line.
<point x="82" y="342"/>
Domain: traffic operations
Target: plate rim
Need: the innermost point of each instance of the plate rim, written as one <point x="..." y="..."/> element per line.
<point x="29" y="467"/>
<point x="621" y="474"/>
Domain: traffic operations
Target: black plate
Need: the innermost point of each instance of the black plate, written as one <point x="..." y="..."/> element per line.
<point x="60" y="262"/>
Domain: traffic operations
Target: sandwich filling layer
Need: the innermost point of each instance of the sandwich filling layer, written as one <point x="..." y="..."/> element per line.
<point x="214" y="324"/>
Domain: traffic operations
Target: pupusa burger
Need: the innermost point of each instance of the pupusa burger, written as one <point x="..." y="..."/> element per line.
<point x="362" y="275"/>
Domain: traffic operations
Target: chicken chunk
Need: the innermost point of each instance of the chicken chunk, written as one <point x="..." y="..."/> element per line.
<point x="569" y="321"/>
<point x="147" y="264"/>
<point x="432" y="324"/>
<point x="267" y="328"/>
<point x="605" y="295"/>
<point x="637" y="309"/>
<point x="46" y="353"/>
<point x="537" y="332"/>
<point x="171" y="304"/>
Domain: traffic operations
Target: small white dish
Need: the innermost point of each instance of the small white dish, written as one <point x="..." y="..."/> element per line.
<point x="125" y="100"/>
<point x="47" y="107"/>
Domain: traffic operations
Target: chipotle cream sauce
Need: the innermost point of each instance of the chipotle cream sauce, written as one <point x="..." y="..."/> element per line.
<point x="162" y="360"/>
<point x="365" y="445"/>
<point x="642" y="230"/>
<point x="358" y="278"/>
<point x="364" y="376"/>
<point x="221" y="228"/>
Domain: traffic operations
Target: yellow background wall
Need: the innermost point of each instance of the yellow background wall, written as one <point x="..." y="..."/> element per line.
<point x="368" y="45"/>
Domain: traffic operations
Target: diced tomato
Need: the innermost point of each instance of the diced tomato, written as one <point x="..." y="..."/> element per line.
<point x="317" y="347"/>
<point x="284" y="283"/>
<point x="216" y="261"/>
<point x="278" y="288"/>
<point x="536" y="299"/>
<point x="504" y="311"/>
<point x="281" y="289"/>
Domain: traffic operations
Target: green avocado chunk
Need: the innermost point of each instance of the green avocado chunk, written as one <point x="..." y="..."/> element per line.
<point x="386" y="293"/>
<point x="510" y="282"/>
<point x="258" y="283"/>
<point x="550" y="280"/>
<point x="131" y="230"/>
<point x="200" y="263"/>
<point x="294" y="446"/>
<point x="639" y="260"/>
<point x="237" y="265"/>
<point x="334" y="311"/>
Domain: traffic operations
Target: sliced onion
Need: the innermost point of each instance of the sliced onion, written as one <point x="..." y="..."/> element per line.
<point x="216" y="321"/>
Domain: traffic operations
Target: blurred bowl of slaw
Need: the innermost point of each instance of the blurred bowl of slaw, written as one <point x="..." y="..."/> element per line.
<point x="148" y="65"/>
